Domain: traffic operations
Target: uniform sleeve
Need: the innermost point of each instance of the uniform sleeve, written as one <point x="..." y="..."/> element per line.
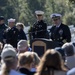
<point x="67" y="34"/>
<point x="45" y="26"/>
<point x="51" y="31"/>
<point x="24" y="35"/>
<point x="31" y="34"/>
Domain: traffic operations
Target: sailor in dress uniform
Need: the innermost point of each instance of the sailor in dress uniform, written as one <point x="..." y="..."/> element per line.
<point x="59" y="32"/>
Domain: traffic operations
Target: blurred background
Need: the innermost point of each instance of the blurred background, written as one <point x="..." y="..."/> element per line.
<point x="23" y="10"/>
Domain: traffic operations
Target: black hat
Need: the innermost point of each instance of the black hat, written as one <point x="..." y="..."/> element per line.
<point x="1" y="18"/>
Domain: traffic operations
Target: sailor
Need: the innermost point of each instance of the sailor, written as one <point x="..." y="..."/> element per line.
<point x="59" y="31"/>
<point x="12" y="33"/>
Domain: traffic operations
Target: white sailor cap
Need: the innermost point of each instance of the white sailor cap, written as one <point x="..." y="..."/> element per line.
<point x="11" y="20"/>
<point x="39" y="12"/>
<point x="55" y="15"/>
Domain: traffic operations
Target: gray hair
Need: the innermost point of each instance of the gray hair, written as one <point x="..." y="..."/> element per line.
<point x="69" y="49"/>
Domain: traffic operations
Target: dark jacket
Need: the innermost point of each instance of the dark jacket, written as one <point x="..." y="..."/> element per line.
<point x="39" y="29"/>
<point x="22" y="35"/>
<point x="26" y="71"/>
<point x="12" y="36"/>
<point x="61" y="34"/>
<point x="2" y="31"/>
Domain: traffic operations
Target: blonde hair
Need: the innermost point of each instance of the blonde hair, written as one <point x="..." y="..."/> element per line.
<point x="25" y="58"/>
<point x="36" y="58"/>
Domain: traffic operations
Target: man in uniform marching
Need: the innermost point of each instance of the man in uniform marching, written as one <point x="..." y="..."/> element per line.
<point x="39" y="29"/>
<point x="59" y="32"/>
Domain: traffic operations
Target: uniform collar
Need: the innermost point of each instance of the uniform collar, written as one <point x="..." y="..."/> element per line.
<point x="58" y="25"/>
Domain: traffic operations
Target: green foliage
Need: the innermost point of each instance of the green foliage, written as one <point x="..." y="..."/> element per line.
<point x="24" y="10"/>
<point x="72" y="1"/>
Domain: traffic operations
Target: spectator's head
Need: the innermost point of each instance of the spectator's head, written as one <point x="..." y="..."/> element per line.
<point x="35" y="61"/>
<point x="7" y="53"/>
<point x="11" y="22"/>
<point x="1" y="20"/>
<point x="19" y="26"/>
<point x="7" y="46"/>
<point x="56" y="18"/>
<point x="69" y="49"/>
<point x="51" y="60"/>
<point x="39" y="14"/>
<point x="9" y="59"/>
<point x="36" y="58"/>
<point x="22" y="46"/>
<point x="26" y="60"/>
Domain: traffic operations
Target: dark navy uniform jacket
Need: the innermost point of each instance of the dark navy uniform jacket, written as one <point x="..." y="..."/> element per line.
<point x="2" y="31"/>
<point x="39" y="29"/>
<point x="12" y="36"/>
<point x="22" y="35"/>
<point x="61" y="34"/>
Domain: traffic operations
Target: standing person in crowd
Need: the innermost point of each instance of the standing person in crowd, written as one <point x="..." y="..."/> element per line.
<point x="39" y="29"/>
<point x="25" y="63"/>
<point x="3" y="27"/>
<point x="9" y="61"/>
<point x="22" y="35"/>
<point x="12" y="33"/>
<point x="51" y="64"/>
<point x="59" y="32"/>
